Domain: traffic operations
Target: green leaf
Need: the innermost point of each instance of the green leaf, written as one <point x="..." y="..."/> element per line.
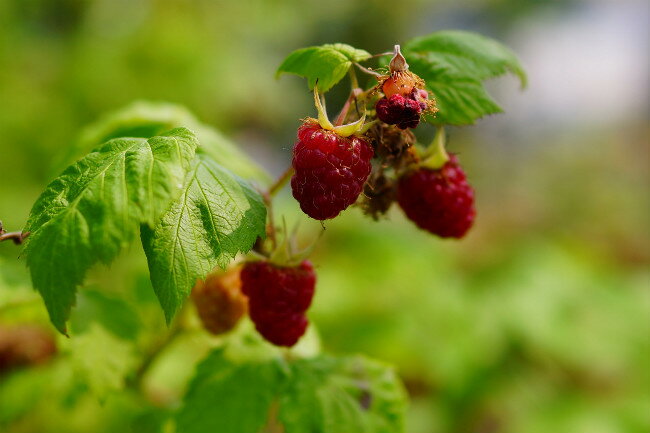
<point x="217" y="216"/>
<point x="326" y="64"/>
<point x="148" y="119"/>
<point x="101" y="360"/>
<point x="454" y="65"/>
<point x="228" y="397"/>
<point x="113" y="313"/>
<point x="326" y="393"/>
<point x="90" y="212"/>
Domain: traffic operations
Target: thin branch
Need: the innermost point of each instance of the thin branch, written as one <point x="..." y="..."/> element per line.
<point x="17" y="237"/>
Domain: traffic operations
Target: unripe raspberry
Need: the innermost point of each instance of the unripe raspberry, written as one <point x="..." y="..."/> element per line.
<point x="278" y="297"/>
<point x="398" y="84"/>
<point x="219" y="301"/>
<point x="330" y="170"/>
<point x="401" y="110"/>
<point x="24" y="346"/>
<point x="439" y="201"/>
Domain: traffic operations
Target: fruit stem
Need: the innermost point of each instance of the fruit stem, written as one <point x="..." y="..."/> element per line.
<point x="137" y="380"/>
<point x="280" y="181"/>
<point x="354" y="82"/>
<point x="370" y="71"/>
<point x="398" y="62"/>
<point x="344" y="111"/>
<point x="437" y="154"/>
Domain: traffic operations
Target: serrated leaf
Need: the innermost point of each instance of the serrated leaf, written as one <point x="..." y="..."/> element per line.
<point x="217" y="216"/>
<point x="326" y="64"/>
<point x="228" y="397"/>
<point x="90" y="212"/>
<point x="147" y="119"/>
<point x="454" y="65"/>
<point x="327" y="394"/>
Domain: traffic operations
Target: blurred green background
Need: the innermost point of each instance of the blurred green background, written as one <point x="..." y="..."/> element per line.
<point x="538" y="321"/>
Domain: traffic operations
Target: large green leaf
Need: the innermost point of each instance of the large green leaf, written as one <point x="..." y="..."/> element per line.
<point x="147" y="119"/>
<point x="95" y="207"/>
<point x="217" y="216"/>
<point x="326" y="64"/>
<point x="454" y="65"/>
<point x="247" y="388"/>
<point x="229" y="397"/>
<point x="329" y="395"/>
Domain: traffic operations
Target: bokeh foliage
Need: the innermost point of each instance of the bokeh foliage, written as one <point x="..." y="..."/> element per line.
<point x="537" y="322"/>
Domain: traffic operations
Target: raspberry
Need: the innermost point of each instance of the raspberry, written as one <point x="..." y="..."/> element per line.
<point x="401" y="110"/>
<point x="219" y="301"/>
<point x="278" y="298"/>
<point x="330" y="170"/>
<point x="439" y="201"/>
<point x="24" y="345"/>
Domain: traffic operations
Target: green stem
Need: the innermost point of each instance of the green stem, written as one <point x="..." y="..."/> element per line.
<point x="354" y="82"/>
<point x="437" y="154"/>
<point x="137" y="380"/>
<point x="281" y="181"/>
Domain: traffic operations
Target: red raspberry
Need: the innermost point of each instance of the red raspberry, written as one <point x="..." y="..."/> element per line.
<point x="278" y="298"/>
<point x="440" y="201"/>
<point x="330" y="170"/>
<point x="401" y="110"/>
<point x="219" y="301"/>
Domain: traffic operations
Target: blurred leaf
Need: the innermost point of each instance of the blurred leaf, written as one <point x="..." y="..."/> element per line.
<point x="101" y="360"/>
<point x="115" y="315"/>
<point x="148" y="119"/>
<point x="217" y="216"/>
<point x="90" y="212"/>
<point x="327" y="393"/>
<point x="454" y="64"/>
<point x="326" y="64"/>
<point x="229" y="397"/>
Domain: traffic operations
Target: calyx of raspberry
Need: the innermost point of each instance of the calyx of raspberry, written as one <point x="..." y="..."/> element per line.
<point x="355" y="128"/>
<point x="436" y="155"/>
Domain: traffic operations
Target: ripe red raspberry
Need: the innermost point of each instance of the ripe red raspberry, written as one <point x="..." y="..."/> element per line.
<point x="402" y="110"/>
<point x="330" y="170"/>
<point x="219" y="301"/>
<point x="278" y="298"/>
<point x="439" y="201"/>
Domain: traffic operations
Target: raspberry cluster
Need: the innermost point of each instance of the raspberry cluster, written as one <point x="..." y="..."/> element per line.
<point x="278" y="297"/>
<point x="439" y="201"/>
<point x="330" y="170"/>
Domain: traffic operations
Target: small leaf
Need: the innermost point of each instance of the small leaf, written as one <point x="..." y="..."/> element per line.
<point x="229" y="397"/>
<point x="90" y="212"/>
<point x="326" y="393"/>
<point x="454" y="65"/>
<point x="217" y="216"/>
<point x="326" y="64"/>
